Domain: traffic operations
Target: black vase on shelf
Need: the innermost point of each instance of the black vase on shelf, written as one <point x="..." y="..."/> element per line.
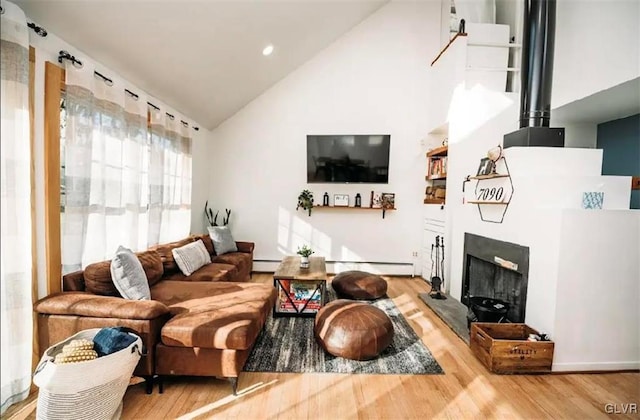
<point x="358" y="200"/>
<point x="325" y="199"/>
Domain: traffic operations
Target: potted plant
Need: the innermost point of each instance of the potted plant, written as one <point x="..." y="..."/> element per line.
<point x="305" y="200"/>
<point x="304" y="253"/>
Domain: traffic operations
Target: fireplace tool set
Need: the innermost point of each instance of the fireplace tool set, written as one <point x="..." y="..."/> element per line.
<point x="437" y="266"/>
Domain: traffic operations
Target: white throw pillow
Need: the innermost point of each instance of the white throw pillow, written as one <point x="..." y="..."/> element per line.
<point x="222" y="239"/>
<point x="191" y="257"/>
<point x="128" y="275"/>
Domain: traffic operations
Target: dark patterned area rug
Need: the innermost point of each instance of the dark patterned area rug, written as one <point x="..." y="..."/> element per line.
<point x="288" y="345"/>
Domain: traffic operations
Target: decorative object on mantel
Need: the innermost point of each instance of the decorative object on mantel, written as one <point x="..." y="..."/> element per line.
<point x="305" y="200"/>
<point x="304" y="253"/>
<point x="592" y="200"/>
<point x="492" y="193"/>
<point x="325" y="199"/>
<point x="487" y="167"/>
<point x="495" y="153"/>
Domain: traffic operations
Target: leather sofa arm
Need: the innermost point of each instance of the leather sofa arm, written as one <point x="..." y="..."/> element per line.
<point x="90" y="305"/>
<point x="73" y="282"/>
<point x="247" y="247"/>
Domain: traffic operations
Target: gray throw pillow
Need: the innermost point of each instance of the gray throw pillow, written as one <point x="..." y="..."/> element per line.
<point x="128" y="275"/>
<point x="223" y="242"/>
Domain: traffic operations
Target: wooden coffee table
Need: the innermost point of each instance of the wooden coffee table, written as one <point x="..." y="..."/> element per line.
<point x="300" y="290"/>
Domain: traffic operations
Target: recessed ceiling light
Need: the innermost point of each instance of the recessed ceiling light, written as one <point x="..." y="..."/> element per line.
<point x="267" y="50"/>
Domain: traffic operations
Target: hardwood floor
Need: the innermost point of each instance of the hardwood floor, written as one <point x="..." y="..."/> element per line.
<point x="466" y="390"/>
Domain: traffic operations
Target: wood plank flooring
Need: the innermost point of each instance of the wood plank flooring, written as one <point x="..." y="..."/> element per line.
<point x="466" y="390"/>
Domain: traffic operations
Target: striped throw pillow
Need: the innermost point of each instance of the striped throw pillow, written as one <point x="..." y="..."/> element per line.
<point x="191" y="257"/>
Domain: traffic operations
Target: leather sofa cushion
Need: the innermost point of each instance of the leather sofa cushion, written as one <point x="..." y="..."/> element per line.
<point x="209" y="272"/>
<point x="97" y="279"/>
<point x="152" y="265"/>
<point x="216" y="315"/>
<point x="97" y="276"/>
<point x="208" y="243"/>
<point x="90" y="305"/>
<point x="240" y="260"/>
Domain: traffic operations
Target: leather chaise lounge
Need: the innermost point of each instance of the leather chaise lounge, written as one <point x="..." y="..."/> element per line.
<point x="204" y="324"/>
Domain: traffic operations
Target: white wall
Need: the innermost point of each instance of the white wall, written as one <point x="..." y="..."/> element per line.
<point x="582" y="135"/>
<point x="597" y="47"/>
<point x="371" y="80"/>
<point x="597" y="311"/>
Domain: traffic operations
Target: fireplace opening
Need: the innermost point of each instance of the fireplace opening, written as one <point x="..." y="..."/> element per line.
<point x="495" y="277"/>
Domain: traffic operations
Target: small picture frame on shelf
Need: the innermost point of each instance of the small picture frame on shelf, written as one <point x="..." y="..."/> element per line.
<point x="388" y="200"/>
<point x="487" y="167"/>
<point x="341" y="200"/>
<point x="376" y="200"/>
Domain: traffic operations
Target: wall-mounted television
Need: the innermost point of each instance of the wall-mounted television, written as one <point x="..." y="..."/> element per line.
<point x="349" y="158"/>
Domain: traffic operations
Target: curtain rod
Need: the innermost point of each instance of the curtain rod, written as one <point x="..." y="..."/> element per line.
<point x="37" y="29"/>
<point x="65" y="55"/>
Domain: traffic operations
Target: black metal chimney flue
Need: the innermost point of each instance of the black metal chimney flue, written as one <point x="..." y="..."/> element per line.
<point x="537" y="62"/>
<point x="536" y="78"/>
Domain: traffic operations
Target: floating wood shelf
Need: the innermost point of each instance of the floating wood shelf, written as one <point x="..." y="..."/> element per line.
<point x="490" y="176"/>
<point x="438" y="151"/>
<point x="436" y="177"/>
<point x="487" y="202"/>
<point x="459" y="34"/>
<point x="434" y="201"/>
<point x="354" y="208"/>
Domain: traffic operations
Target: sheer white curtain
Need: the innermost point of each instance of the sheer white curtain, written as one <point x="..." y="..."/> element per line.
<point x="169" y="178"/>
<point x="105" y="158"/>
<point x="15" y="207"/>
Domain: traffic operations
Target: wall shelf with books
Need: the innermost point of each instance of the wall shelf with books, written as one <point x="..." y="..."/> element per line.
<point x="437" y="159"/>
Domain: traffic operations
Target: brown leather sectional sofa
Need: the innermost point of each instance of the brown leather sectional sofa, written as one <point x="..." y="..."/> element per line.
<point x="202" y="325"/>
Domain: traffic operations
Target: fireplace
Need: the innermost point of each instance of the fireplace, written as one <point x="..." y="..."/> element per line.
<point x="497" y="270"/>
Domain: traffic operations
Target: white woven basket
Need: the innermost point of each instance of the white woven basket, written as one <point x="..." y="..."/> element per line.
<point x="84" y="390"/>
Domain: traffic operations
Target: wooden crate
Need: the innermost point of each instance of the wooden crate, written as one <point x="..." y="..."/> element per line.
<point x="504" y="349"/>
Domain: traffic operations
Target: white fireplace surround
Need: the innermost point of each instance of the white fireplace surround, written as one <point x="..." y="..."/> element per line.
<point x="584" y="271"/>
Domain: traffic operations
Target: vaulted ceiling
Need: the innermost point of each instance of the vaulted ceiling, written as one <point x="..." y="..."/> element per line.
<point x="203" y="58"/>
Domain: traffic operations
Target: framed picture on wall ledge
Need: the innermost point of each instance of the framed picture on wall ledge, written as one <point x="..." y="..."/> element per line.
<point x="388" y="200"/>
<point x="341" y="200"/>
<point x="487" y="167"/>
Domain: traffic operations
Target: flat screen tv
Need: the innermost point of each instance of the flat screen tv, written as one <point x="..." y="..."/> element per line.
<point x="348" y="158"/>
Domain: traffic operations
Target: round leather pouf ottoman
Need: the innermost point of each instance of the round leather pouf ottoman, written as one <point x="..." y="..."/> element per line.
<point x="359" y="285"/>
<point x="353" y="330"/>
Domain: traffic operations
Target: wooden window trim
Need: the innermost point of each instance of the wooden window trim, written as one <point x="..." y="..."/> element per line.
<point x="35" y="353"/>
<point x="54" y="87"/>
<point x="54" y="77"/>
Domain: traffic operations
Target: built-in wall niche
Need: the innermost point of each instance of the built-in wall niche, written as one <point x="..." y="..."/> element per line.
<point x="497" y="270"/>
